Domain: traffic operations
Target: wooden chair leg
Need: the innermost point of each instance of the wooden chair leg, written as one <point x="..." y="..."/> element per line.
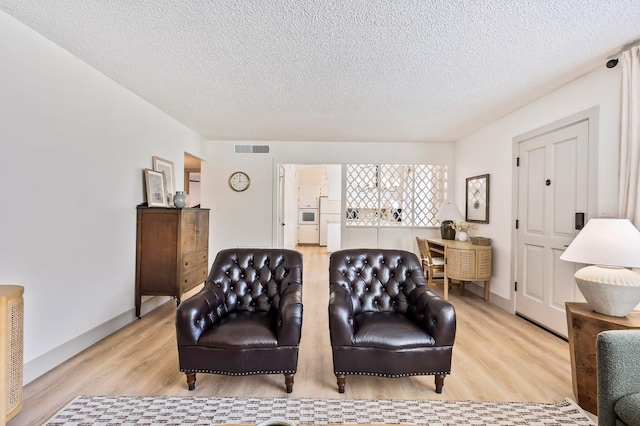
<point x="439" y="382"/>
<point x="191" y="380"/>
<point x="288" y="381"/>
<point x="342" y="381"/>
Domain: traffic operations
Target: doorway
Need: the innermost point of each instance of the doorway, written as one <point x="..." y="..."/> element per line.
<point x="309" y="205"/>
<point x="555" y="185"/>
<point x="192" y="168"/>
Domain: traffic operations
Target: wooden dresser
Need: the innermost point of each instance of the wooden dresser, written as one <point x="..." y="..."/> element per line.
<point x="172" y="251"/>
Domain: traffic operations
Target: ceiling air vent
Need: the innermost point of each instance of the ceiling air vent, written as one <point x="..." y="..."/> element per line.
<point x="252" y="149"/>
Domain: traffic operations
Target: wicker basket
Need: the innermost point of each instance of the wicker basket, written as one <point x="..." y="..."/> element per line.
<point x="481" y="241"/>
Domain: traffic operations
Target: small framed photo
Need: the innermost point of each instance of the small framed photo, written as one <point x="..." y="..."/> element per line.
<point x="156" y="189"/>
<point x="166" y="167"/>
<point x="477" y="209"/>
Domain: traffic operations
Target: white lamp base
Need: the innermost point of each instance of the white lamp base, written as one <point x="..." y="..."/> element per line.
<point x="609" y="290"/>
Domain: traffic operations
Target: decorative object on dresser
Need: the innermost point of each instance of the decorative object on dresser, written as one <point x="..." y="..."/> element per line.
<point x="463" y="261"/>
<point x="156" y="190"/>
<point x="584" y="325"/>
<point x="11" y="350"/>
<point x="447" y="214"/>
<point x="247" y="319"/>
<point x="180" y="199"/>
<point x="384" y="320"/>
<point x="167" y="168"/>
<point x="171" y="252"/>
<point x="609" y="246"/>
<point x="477" y="205"/>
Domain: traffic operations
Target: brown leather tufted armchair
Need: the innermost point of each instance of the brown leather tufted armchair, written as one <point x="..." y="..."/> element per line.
<point x="247" y="319"/>
<point x="383" y="318"/>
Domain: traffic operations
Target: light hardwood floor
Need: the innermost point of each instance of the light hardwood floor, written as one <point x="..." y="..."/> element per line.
<point x="496" y="357"/>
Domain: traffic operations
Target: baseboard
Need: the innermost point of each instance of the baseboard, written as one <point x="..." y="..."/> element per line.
<point x="49" y="360"/>
<point x="499" y="301"/>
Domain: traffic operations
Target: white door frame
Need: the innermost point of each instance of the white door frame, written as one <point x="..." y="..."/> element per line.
<point x="592" y="116"/>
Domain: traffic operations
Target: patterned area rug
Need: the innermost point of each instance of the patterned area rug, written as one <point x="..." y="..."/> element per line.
<point x="120" y="410"/>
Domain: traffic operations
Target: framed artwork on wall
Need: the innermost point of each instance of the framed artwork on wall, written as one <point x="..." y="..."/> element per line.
<point x="165" y="166"/>
<point x="156" y="189"/>
<point x="477" y="206"/>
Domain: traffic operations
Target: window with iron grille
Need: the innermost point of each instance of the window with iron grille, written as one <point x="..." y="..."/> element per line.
<point x="394" y="194"/>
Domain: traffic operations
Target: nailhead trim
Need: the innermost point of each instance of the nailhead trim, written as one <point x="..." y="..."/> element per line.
<point x="189" y="370"/>
<point x="360" y="373"/>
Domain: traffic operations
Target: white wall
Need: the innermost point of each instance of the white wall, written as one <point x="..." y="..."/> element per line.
<point x="490" y="150"/>
<point x="73" y="145"/>
<point x="246" y="219"/>
<point x="290" y="206"/>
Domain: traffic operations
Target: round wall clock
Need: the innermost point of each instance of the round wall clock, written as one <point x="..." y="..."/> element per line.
<point x="239" y="181"/>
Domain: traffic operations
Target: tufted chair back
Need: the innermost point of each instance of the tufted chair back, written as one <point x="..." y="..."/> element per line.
<point x="247" y="319"/>
<point x="252" y="279"/>
<point x="377" y="280"/>
<point x="383" y="318"/>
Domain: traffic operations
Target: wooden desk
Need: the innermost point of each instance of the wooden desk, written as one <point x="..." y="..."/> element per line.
<point x="584" y="326"/>
<point x="463" y="261"/>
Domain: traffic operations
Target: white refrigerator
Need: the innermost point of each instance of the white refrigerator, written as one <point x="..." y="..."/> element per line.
<point x="329" y="220"/>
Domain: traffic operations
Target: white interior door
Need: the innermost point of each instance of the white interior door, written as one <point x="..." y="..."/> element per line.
<point x="553" y="179"/>
<point x="281" y="205"/>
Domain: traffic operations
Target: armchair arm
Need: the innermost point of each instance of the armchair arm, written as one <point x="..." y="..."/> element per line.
<point x="340" y="317"/>
<point x="436" y="315"/>
<point x="618" y="373"/>
<point x="197" y="314"/>
<point x="290" y="316"/>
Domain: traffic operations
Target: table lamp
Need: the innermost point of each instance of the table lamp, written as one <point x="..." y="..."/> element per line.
<point x="609" y="246"/>
<point x="447" y="214"/>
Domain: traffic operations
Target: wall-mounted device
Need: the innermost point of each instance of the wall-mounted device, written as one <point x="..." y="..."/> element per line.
<point x="579" y="221"/>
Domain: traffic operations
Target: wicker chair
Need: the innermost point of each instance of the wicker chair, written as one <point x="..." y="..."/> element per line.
<point x="433" y="266"/>
<point x="430" y="264"/>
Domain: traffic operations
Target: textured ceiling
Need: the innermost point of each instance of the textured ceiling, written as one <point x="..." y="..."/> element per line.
<point x="337" y="70"/>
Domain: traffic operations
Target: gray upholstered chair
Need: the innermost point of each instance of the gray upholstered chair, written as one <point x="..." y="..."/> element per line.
<point x="618" y="354"/>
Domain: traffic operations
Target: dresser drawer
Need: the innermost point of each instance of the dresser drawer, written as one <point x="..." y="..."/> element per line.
<point x="194" y="259"/>
<point x="194" y="277"/>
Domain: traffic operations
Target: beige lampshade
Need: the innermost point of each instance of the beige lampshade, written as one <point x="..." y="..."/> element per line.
<point x="449" y="211"/>
<point x="609" y="246"/>
<point x="606" y="242"/>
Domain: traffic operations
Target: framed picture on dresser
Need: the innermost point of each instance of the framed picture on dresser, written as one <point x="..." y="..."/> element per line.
<point x="156" y="191"/>
<point x="477" y="205"/>
<point x="166" y="167"/>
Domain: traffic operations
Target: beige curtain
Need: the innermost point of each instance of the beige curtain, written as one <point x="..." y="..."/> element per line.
<point x="629" y="194"/>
